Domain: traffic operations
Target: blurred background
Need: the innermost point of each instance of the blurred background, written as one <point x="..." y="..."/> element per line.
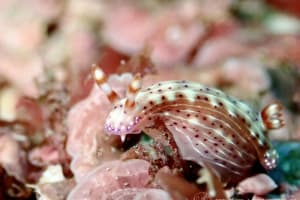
<point x="63" y="38"/>
<point x="248" y="48"/>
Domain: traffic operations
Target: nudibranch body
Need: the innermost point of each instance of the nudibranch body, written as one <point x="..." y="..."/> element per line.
<point x="209" y="127"/>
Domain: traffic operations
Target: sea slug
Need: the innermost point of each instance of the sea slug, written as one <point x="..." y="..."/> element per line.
<point x="209" y="127"/>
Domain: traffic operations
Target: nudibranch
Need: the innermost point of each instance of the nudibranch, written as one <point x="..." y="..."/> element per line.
<point x="209" y="127"/>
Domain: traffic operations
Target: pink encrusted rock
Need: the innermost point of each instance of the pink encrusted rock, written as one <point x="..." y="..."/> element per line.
<point x="55" y="190"/>
<point x="12" y="157"/>
<point x="248" y="76"/>
<point x="260" y="184"/>
<point x="87" y="143"/>
<point x="178" y="30"/>
<point x="82" y="47"/>
<point x="286" y="48"/>
<point x="127" y="28"/>
<point x="18" y="56"/>
<point x="171" y="33"/>
<point x="217" y="49"/>
<point x="44" y="155"/>
<point x="30" y="111"/>
<point x="208" y="77"/>
<point x="112" y="176"/>
<point x="47" y="10"/>
<point x="258" y="198"/>
<point x="139" y="194"/>
<point x="13" y="69"/>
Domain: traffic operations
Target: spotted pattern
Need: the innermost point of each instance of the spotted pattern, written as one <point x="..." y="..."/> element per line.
<point x="209" y="126"/>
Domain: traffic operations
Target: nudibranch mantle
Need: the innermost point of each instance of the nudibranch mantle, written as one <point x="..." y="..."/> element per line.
<point x="214" y="128"/>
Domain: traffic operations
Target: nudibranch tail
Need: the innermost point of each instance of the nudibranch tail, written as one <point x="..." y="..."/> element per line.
<point x="272" y="116"/>
<point x="133" y="88"/>
<point x="101" y="81"/>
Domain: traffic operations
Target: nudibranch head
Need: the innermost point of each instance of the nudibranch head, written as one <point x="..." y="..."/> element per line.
<point x="122" y="120"/>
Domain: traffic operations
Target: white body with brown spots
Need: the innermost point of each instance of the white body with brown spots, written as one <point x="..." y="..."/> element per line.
<point x="209" y="127"/>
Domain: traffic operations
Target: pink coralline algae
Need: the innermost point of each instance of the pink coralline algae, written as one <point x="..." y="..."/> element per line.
<point x="259" y="184"/>
<point x="56" y="191"/>
<point x="36" y="155"/>
<point x="18" y="56"/>
<point x="122" y="179"/>
<point x="12" y="157"/>
<point x="247" y="75"/>
<point x="217" y="49"/>
<point x="139" y="194"/>
<point x="87" y="143"/>
<point x="171" y="35"/>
